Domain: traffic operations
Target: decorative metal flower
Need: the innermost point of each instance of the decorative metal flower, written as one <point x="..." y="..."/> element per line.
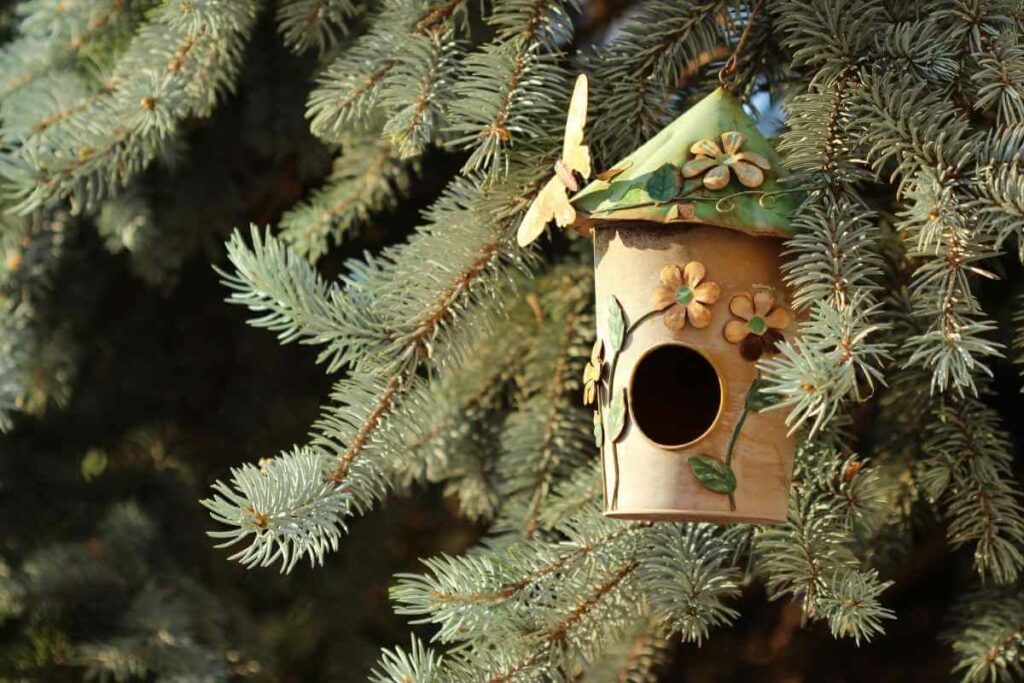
<point x="757" y="331"/>
<point x="592" y="373"/>
<point x="683" y="295"/>
<point x="715" y="164"/>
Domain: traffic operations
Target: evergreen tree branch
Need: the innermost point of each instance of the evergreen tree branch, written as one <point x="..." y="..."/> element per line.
<point x="291" y="298"/>
<point x="350" y="87"/>
<point x="969" y="469"/>
<point x="633" y="78"/>
<point x="504" y="94"/>
<point x="177" y="66"/>
<point x="637" y="658"/>
<point x="367" y="178"/>
<point x="57" y="36"/>
<point x="419" y="664"/>
<point x="810" y="558"/>
<point x="315" y="24"/>
<point x="688" y="575"/>
<point x="285" y="510"/>
<point x="987" y="635"/>
<point x="417" y="91"/>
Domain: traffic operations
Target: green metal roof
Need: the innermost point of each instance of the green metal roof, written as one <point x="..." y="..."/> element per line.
<point x="765" y="210"/>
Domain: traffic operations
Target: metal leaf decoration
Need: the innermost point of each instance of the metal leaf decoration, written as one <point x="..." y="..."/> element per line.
<point x="616" y="325"/>
<point x="616" y="416"/>
<point x="758" y="398"/>
<point x="636" y="194"/>
<point x="713" y="474"/>
<point x="598" y="430"/>
<point x="663" y="184"/>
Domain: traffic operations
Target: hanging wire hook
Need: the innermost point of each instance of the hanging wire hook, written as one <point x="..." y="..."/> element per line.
<point x="727" y="74"/>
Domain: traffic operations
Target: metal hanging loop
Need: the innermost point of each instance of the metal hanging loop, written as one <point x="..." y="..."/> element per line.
<point x="728" y="74"/>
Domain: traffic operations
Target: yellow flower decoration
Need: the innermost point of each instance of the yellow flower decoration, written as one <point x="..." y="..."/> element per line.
<point x="592" y="373"/>
<point x="683" y="295"/>
<point x="757" y="331"/>
<point x="715" y="164"/>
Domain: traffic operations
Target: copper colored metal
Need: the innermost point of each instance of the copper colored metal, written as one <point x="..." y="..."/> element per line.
<point x="647" y="480"/>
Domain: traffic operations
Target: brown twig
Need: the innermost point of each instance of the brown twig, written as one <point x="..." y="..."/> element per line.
<point x="556" y="634"/>
<point x="509" y="590"/>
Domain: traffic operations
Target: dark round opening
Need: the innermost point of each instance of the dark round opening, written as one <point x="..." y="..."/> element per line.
<point x="675" y="395"/>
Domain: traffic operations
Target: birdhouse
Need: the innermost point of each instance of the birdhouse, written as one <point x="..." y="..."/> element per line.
<point x="687" y="250"/>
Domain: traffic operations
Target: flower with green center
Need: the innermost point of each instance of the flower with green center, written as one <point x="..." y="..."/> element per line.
<point x="684" y="295"/>
<point x="717" y="166"/>
<point x="758" y="329"/>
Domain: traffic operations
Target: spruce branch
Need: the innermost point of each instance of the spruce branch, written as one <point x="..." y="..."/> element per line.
<point x="827" y="37"/>
<point x="931" y="142"/>
<point x="831" y="363"/>
<point x="423" y="294"/>
<point x="852" y="607"/>
<point x="910" y="128"/>
<point x="921" y="48"/>
<point x="688" y="575"/>
<point x="1000" y="82"/>
<point x="634" y="76"/>
<point x="956" y="341"/>
<point x="974" y="24"/>
<point x="315" y="24"/>
<point x="811" y="557"/>
<point x="467" y="412"/>
<point x="549" y="435"/>
<point x="368" y="178"/>
<point x="833" y="267"/>
<point x="178" y="65"/>
<point x="60" y="36"/>
<point x="44" y="104"/>
<point x="285" y="510"/>
<point x="999" y="200"/>
<point x="833" y="257"/>
<point x="499" y="101"/>
<point x="467" y="596"/>
<point x="817" y="147"/>
<point x="416" y="93"/>
<point x="504" y="94"/>
<point x="637" y="658"/>
<point x="350" y="87"/>
<point x="289" y="297"/>
<point x="569" y="639"/>
<point x="347" y="428"/>
<point x="362" y="430"/>
<point x="418" y="664"/>
<point x="987" y="635"/>
<point x="969" y="469"/>
<point x="581" y="490"/>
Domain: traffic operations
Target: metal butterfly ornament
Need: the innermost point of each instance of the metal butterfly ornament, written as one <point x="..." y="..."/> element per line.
<point x="552" y="202"/>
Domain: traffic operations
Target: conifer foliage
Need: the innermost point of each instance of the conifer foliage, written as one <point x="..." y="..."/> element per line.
<point x="457" y="354"/>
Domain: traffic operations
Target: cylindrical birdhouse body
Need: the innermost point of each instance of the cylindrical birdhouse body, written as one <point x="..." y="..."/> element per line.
<point x="699" y="304"/>
<point x="688" y="236"/>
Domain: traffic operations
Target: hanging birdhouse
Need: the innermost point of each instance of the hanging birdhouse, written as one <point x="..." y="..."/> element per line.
<point x="687" y="247"/>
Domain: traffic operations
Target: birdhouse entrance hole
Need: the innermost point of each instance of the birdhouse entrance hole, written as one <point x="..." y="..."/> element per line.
<point x="675" y="395"/>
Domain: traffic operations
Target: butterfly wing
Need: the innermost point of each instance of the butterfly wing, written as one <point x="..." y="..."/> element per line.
<point x="575" y="154"/>
<point x="550" y="203"/>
